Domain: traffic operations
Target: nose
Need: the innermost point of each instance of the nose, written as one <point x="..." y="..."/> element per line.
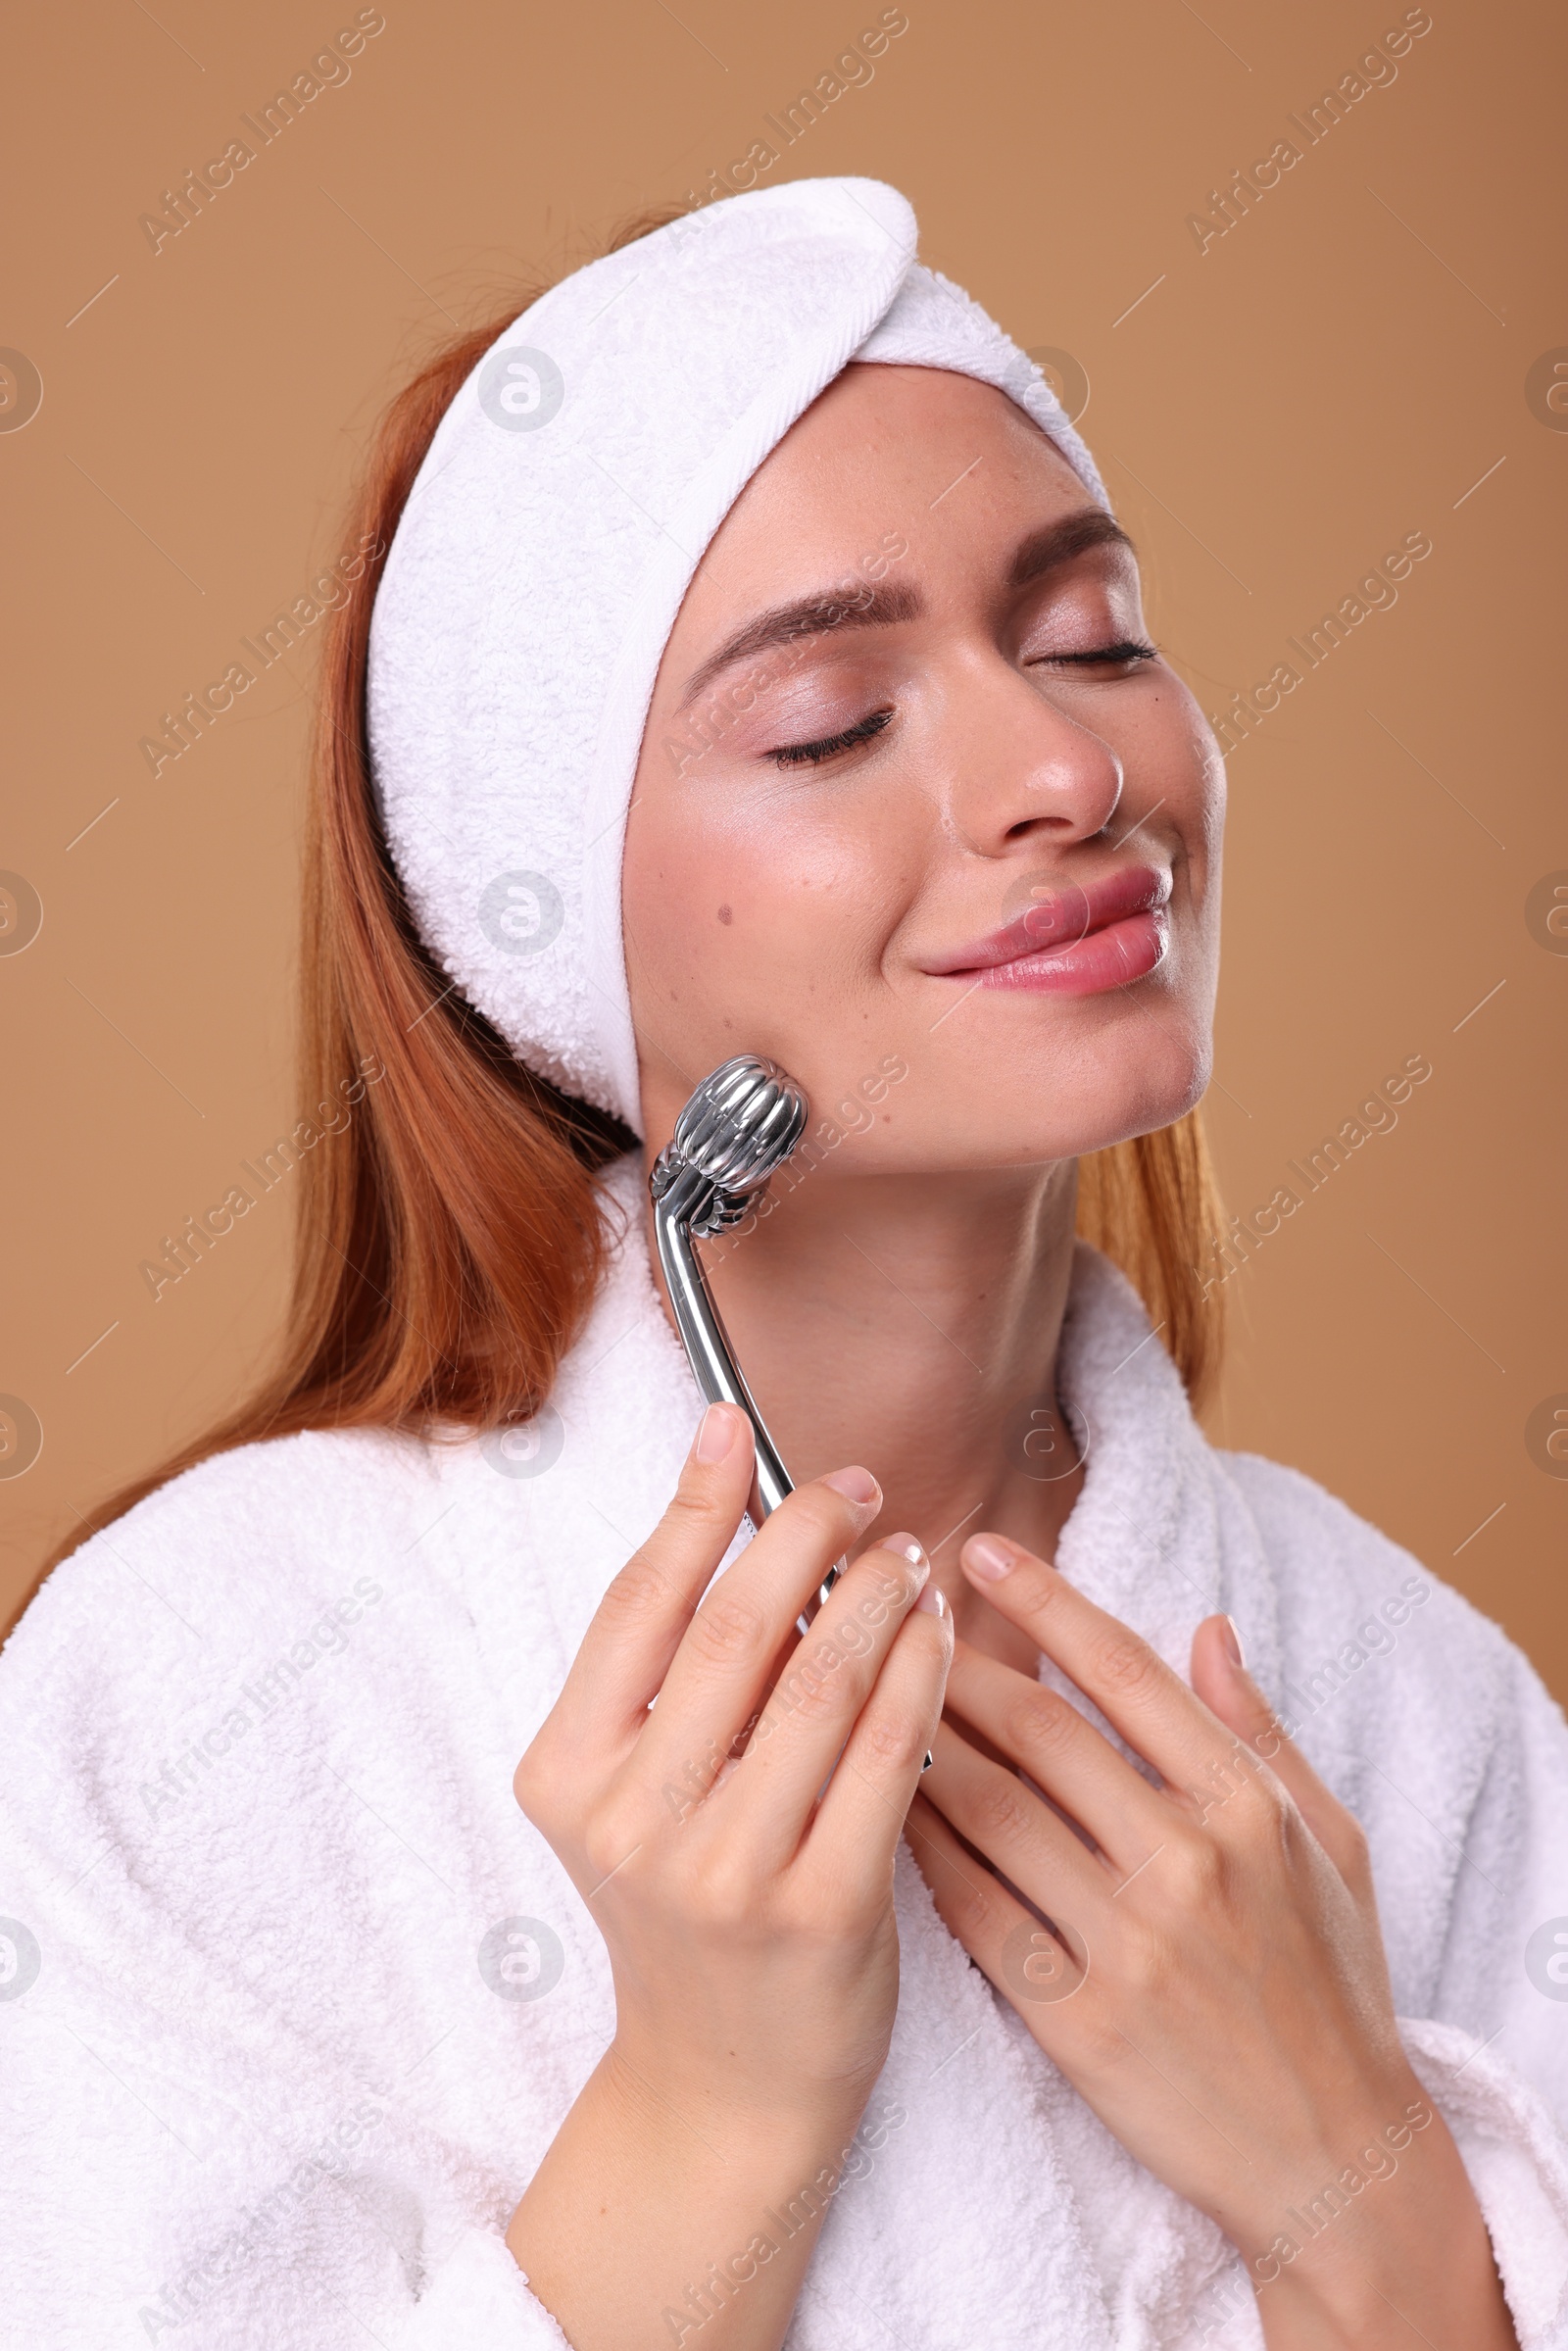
<point x="1024" y="770"/>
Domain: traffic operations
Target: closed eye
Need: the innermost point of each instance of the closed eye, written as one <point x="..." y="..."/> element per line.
<point x="1123" y="654"/>
<point x="799" y="754"/>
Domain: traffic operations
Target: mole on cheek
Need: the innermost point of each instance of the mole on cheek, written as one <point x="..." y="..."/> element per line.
<point x="725" y="916"/>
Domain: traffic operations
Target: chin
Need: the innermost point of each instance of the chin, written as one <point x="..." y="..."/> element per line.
<point x="1133" y="1080"/>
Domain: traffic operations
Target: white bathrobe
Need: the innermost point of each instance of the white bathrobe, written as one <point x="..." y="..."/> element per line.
<point x="293" y="1999"/>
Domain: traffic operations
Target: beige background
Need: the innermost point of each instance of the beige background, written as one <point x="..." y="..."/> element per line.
<point x="1346" y="364"/>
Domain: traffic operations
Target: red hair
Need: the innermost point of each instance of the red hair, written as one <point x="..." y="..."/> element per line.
<point x="449" y="1244"/>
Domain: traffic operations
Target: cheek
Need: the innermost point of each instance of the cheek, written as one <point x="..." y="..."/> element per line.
<point x="1176" y="781"/>
<point x="814" y="881"/>
<point x="1186" y="762"/>
<point x="1184" y="754"/>
<point x="683" y="896"/>
<point x="1179" y="762"/>
<point x="704" y="901"/>
<point x="739" y="907"/>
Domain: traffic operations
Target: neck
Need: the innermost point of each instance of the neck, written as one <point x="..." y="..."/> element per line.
<point x="912" y="1324"/>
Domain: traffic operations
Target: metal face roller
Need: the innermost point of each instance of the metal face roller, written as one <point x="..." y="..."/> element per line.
<point x="738" y="1129"/>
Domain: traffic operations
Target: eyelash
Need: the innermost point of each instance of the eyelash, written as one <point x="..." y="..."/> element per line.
<point x="796" y="755"/>
<point x="799" y="754"/>
<point x="1127" y="648"/>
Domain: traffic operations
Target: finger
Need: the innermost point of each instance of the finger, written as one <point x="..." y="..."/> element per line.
<point x="638" y="1625"/>
<point x="1063" y="1753"/>
<point x="861" y="1819"/>
<point x="1017" y="1832"/>
<point x="814" y="1708"/>
<point x="719" y="1676"/>
<point x="1127" y="1678"/>
<point x="1221" y="1679"/>
<point x="1031" y="1967"/>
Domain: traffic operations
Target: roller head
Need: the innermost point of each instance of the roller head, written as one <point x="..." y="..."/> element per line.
<point x="738" y="1128"/>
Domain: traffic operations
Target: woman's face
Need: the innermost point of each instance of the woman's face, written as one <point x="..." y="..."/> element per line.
<point x="917" y="813"/>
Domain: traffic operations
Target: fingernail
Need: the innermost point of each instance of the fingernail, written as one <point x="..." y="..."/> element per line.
<point x="908" y="1548"/>
<point x="856" y="1485"/>
<point x="987" y="1557"/>
<point x="1232" y="1638"/>
<point x="716" y="1433"/>
<point x="933" y="1599"/>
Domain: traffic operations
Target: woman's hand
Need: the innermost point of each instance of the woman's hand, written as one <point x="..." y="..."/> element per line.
<point x="735" y="1843"/>
<point x="1214" y="1983"/>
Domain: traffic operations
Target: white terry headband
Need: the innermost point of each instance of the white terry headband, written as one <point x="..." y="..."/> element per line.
<point x="549" y="539"/>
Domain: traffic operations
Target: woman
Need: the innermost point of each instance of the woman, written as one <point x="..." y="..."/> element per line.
<point x="756" y="666"/>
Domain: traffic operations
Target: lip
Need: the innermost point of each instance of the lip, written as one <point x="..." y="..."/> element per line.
<point x="1076" y="940"/>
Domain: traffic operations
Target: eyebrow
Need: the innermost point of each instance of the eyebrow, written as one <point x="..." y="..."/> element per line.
<point x="869" y="606"/>
<point x="1058" y="542"/>
<point x="883" y="606"/>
